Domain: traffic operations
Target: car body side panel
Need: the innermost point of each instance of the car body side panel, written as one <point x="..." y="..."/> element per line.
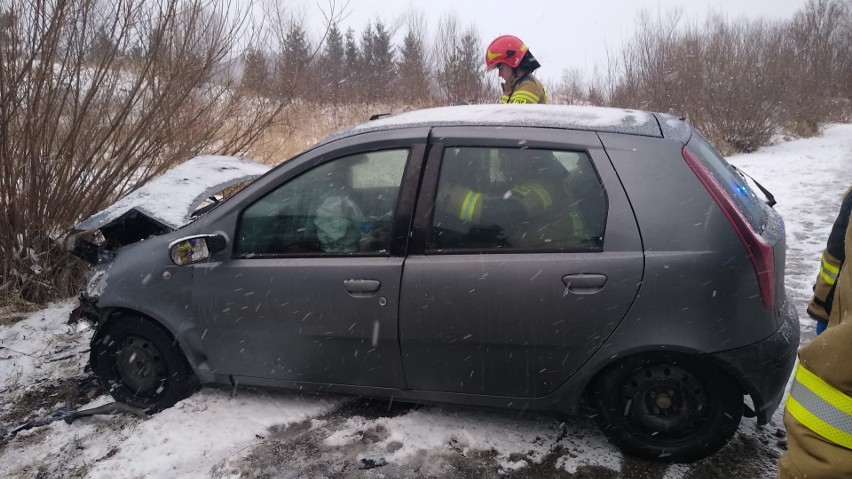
<point x="293" y="319"/>
<point x="699" y="282"/>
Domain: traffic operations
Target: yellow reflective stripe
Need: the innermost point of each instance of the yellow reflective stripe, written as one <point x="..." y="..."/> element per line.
<point x="576" y="223"/>
<point x="505" y="98"/>
<point x="829" y="272"/>
<point x="817" y="425"/>
<point x="542" y="193"/>
<point x="529" y="97"/>
<point x="824" y="390"/>
<point x="522" y="190"/>
<point x="469" y="205"/>
<point x="526" y="93"/>
<point x="820" y="407"/>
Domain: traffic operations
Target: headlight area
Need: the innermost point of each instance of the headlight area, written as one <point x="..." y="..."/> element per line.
<point x="87" y="311"/>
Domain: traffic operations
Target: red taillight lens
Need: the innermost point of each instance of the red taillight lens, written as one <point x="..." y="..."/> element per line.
<point x="759" y="251"/>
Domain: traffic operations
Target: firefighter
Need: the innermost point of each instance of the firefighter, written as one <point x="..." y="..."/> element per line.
<point x="818" y="413"/>
<point x="516" y="65"/>
<point x="529" y="207"/>
<point x="819" y="307"/>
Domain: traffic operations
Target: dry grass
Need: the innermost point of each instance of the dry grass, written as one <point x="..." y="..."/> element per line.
<point x="303" y="124"/>
<point x="13" y="308"/>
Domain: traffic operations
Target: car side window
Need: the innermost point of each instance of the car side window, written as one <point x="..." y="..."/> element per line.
<point x="344" y="207"/>
<point x="518" y="199"/>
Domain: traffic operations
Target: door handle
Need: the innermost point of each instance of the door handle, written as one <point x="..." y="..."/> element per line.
<point x="584" y="283"/>
<point x="362" y="287"/>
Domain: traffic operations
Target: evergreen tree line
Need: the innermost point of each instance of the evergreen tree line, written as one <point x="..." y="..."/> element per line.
<point x="369" y="67"/>
<point x="739" y="81"/>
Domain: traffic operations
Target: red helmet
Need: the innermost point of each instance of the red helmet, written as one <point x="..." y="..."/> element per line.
<point x="506" y="49"/>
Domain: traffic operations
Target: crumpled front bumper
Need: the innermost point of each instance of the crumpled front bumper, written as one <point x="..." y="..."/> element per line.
<point x="87" y="310"/>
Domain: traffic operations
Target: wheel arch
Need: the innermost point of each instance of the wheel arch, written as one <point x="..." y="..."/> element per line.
<point x="186" y="336"/>
<point x="692" y="401"/>
<point x="673" y="352"/>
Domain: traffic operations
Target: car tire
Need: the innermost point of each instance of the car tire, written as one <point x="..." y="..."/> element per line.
<point x="141" y="364"/>
<point x="666" y="407"/>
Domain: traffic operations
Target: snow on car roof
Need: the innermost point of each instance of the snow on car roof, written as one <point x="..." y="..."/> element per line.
<point x="172" y="197"/>
<point x="574" y="117"/>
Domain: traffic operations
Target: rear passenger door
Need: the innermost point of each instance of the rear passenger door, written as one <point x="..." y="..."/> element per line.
<point x="524" y="258"/>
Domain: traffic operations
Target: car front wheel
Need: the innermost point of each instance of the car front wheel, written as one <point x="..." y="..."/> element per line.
<point x="667" y="408"/>
<point x="141" y="364"/>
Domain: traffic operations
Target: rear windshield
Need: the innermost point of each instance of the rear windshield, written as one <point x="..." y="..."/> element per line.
<point x="733" y="183"/>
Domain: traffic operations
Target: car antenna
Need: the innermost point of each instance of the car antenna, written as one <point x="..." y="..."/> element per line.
<point x="379" y="115"/>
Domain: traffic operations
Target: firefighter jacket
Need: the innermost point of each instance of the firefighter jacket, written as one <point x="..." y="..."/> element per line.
<point x="535" y="204"/>
<point x="524" y="89"/>
<point x="832" y="258"/>
<point x="818" y="413"/>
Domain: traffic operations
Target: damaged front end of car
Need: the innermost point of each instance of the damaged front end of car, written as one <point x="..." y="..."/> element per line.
<point x="163" y="205"/>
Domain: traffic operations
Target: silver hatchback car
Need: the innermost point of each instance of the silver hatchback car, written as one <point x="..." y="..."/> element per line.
<point x="556" y="258"/>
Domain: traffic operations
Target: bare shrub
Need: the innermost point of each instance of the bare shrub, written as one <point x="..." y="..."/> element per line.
<point x="819" y="44"/>
<point x="572" y="89"/>
<point x="95" y="99"/>
<point x="723" y="76"/>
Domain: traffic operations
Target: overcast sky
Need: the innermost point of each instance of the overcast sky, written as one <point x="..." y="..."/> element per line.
<point x="562" y="34"/>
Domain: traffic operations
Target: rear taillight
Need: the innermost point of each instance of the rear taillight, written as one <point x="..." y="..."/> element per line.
<point x="759" y="251"/>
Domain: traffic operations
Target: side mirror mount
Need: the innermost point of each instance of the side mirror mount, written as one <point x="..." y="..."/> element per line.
<point x="193" y="249"/>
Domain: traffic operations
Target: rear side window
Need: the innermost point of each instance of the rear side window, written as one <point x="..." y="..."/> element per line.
<point x="499" y="199"/>
<point x="732" y="182"/>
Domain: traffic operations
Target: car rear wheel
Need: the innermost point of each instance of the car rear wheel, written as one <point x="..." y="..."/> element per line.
<point x="141" y="364"/>
<point x="667" y="408"/>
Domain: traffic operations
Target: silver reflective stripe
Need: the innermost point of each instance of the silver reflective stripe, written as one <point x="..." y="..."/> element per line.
<point x="821" y="408"/>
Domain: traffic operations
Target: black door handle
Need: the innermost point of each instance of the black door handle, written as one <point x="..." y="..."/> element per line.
<point x="584" y="283"/>
<point x="362" y="287"/>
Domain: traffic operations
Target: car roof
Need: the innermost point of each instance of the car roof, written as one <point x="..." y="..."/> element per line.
<point x="573" y="117"/>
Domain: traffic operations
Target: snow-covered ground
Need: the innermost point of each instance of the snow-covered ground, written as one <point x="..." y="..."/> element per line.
<point x="248" y="433"/>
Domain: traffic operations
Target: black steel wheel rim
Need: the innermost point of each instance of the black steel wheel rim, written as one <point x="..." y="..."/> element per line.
<point x="140" y="367"/>
<point x="665" y="402"/>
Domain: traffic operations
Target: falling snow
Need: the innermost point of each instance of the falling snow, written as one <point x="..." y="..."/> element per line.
<point x="235" y="432"/>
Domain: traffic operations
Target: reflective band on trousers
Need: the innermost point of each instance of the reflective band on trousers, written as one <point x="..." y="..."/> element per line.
<point x="821" y="408"/>
<point x="468" y="207"/>
<point x="828" y="271"/>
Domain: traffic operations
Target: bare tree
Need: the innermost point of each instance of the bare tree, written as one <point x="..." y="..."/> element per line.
<point x="95" y="99"/>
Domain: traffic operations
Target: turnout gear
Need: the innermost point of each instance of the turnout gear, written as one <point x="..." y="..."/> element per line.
<point x="818" y="413"/>
<point x="524" y="213"/>
<point x="529" y="199"/>
<point x="526" y="89"/>
<point x="819" y="307"/>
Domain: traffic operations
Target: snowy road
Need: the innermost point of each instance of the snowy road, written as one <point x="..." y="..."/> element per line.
<point x="221" y="433"/>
